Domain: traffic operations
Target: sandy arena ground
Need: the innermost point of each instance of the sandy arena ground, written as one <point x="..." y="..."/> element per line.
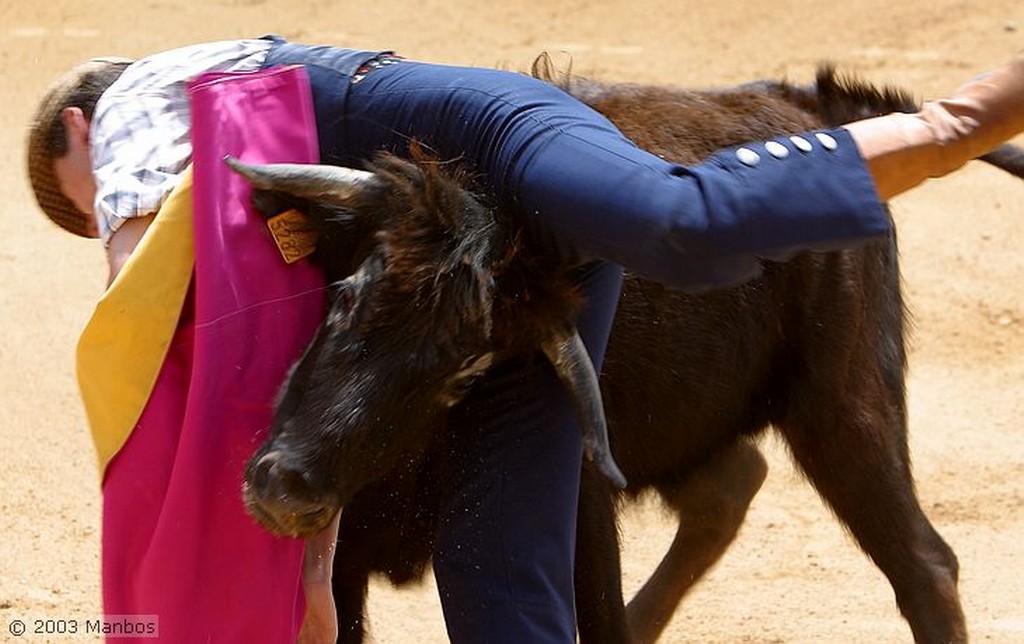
<point x="793" y="575"/>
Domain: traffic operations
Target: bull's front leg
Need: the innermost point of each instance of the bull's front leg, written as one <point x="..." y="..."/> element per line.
<point x="351" y="576"/>
<point x="388" y="529"/>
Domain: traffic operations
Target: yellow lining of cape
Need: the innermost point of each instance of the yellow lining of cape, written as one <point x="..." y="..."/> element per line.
<point x="123" y="346"/>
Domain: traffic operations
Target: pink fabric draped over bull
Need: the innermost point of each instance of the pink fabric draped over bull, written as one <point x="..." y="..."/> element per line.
<point x="177" y="543"/>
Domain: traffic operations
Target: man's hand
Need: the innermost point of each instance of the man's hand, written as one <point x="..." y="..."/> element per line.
<point x="320" y="624"/>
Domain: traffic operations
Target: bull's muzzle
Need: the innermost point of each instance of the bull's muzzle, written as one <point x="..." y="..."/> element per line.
<point x="282" y="500"/>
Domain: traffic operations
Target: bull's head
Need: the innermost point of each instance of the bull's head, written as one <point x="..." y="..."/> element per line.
<point x="404" y="337"/>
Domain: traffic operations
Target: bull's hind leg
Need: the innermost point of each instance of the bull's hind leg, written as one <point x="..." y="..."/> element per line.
<point x="711" y="504"/>
<point x="853" y="448"/>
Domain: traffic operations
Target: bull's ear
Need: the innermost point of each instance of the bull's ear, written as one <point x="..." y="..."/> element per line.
<point x="273" y="202"/>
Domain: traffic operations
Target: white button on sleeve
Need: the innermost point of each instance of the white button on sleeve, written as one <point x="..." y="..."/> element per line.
<point x="826" y="141"/>
<point x="801" y="143"/>
<point x="776" y="149"/>
<point x="748" y="157"/>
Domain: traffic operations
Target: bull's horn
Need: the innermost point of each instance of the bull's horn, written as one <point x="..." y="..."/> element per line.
<point x="329" y="183"/>
<point x="572" y="363"/>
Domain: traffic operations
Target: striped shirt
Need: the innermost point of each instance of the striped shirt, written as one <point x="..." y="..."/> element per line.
<point x="140" y="134"/>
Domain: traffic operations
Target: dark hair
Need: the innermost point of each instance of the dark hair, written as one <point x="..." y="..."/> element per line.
<point x="84" y="95"/>
<point x="80" y="87"/>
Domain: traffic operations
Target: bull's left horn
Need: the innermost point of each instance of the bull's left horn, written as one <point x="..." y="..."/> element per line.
<point x="329" y="183"/>
<point x="572" y="363"/>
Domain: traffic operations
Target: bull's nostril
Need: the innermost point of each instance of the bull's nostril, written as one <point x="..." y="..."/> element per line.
<point x="264" y="470"/>
<point x="270" y="458"/>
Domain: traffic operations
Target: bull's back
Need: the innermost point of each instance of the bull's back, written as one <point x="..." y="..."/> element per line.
<point x="687" y="374"/>
<point x="685" y="126"/>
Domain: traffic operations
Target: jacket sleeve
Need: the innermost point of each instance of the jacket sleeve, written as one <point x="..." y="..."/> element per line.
<point x="711" y="224"/>
<point x="590" y="192"/>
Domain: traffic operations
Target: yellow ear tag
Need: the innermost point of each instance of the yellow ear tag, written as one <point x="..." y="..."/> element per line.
<point x="293" y="234"/>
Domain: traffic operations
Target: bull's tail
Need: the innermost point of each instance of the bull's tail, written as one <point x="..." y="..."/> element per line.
<point x="1008" y="157"/>
<point x="841" y="98"/>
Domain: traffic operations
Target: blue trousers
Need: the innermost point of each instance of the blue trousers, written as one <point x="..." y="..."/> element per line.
<point x="504" y="564"/>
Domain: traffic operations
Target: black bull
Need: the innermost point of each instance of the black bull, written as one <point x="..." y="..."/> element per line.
<point x="814" y="348"/>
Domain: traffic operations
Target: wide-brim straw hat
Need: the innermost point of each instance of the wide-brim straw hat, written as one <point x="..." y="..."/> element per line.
<point x="41" y="174"/>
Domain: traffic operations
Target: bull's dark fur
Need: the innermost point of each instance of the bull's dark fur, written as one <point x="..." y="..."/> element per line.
<point x="814" y="348"/>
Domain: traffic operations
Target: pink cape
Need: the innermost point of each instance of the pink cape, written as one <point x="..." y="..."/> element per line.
<point x="177" y="543"/>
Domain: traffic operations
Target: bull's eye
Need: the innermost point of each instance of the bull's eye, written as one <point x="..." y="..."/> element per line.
<point x="345" y="300"/>
<point x="349" y="292"/>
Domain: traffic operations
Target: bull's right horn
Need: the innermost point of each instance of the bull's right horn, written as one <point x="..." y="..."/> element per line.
<point x="571" y="361"/>
<point x="325" y="183"/>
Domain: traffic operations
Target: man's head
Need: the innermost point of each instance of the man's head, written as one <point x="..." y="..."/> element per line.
<point x="58" y="144"/>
